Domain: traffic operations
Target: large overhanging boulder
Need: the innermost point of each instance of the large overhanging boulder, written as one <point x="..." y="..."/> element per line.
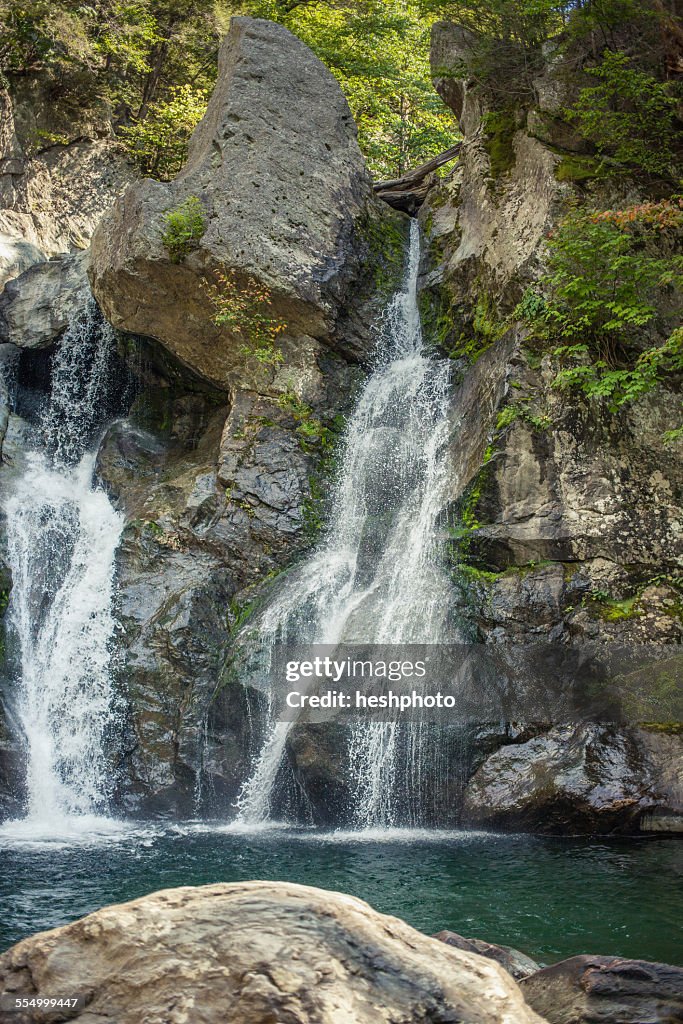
<point x="281" y="185"/>
<point x="254" y="953"/>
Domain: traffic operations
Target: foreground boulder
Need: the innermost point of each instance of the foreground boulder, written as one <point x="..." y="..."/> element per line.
<point x="257" y="952"/>
<point x="276" y="188"/>
<point x="608" y="990"/>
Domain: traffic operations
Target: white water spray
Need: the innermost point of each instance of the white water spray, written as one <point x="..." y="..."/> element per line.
<point x="377" y="576"/>
<point x="62" y="539"/>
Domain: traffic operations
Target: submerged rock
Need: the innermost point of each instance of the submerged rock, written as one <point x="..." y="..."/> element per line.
<point x="608" y="990"/>
<point x="255" y="953"/>
<point x="515" y="963"/>
<point x="279" y="191"/>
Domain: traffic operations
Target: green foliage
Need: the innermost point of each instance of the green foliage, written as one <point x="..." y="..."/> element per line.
<point x="521" y="410"/>
<point x="437" y="323"/>
<point x="184" y="226"/>
<point x="629" y="115"/>
<point x="608" y="274"/>
<point x="622" y="385"/>
<point x="504" y="41"/>
<point x="313" y="435"/>
<point x="673" y="436"/>
<point x="158" y="144"/>
<point x="487" y="324"/>
<point x="138" y="59"/>
<point x="578" y="168"/>
<point x="245" y="307"/>
<point x="484" y="326"/>
<point x="238" y="614"/>
<point x="385" y="238"/>
<point x="312" y="510"/>
<point x="153" y="63"/>
<point x="320" y="440"/>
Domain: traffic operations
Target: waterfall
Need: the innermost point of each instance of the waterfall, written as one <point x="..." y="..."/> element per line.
<point x="62" y="539"/>
<point x="376" y="577"/>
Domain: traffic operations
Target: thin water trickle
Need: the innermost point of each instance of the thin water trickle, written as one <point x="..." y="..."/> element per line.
<point x="377" y="577"/>
<point x="62" y="537"/>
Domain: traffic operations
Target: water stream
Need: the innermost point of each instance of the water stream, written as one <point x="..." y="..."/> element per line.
<point x="62" y="538"/>
<point x="376" y="577"/>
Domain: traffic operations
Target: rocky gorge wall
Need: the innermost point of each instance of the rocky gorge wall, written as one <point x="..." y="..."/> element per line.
<point x="572" y="517"/>
<point x="221" y="457"/>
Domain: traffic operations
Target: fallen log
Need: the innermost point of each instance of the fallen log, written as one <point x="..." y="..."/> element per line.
<point x="410" y="191"/>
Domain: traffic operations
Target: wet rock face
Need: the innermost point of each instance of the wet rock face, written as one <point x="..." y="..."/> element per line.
<point x="586" y="488"/>
<point x="37" y="306"/>
<point x="584" y="989"/>
<point x="212" y="467"/>
<point x="488" y="220"/>
<point x="282" y="188"/>
<point x="214" y="489"/>
<point x="573" y="522"/>
<point x="577" y="779"/>
<point x="257" y="952"/>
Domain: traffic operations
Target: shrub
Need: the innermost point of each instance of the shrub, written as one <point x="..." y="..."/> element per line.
<point x="158" y="144"/>
<point x="607" y="274"/>
<point x="245" y="308"/>
<point x="184" y="227"/>
<point x="629" y="115"/>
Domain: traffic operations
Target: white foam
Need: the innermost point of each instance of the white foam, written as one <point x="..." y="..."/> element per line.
<point x="376" y="577"/>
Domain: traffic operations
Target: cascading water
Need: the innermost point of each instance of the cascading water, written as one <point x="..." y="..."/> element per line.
<point x="376" y="578"/>
<point x="62" y="538"/>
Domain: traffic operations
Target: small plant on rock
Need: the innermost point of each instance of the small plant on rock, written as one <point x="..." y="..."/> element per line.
<point x="244" y="307"/>
<point x="184" y="227"/>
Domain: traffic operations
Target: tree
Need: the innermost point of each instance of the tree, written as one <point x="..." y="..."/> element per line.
<point x="628" y="115"/>
<point x="154" y="61"/>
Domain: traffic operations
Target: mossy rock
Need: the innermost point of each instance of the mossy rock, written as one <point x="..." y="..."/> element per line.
<point x="575" y="168"/>
<point x="385" y="238"/>
<point x="500" y="127"/>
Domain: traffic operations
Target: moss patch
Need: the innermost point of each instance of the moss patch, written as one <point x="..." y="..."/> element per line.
<point x="578" y="168"/>
<point x="668" y="728"/>
<point x="617" y="611"/>
<point x="500" y="127"/>
<point x="385" y="240"/>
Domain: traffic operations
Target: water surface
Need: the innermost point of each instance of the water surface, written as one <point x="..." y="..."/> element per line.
<point x="550" y="898"/>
